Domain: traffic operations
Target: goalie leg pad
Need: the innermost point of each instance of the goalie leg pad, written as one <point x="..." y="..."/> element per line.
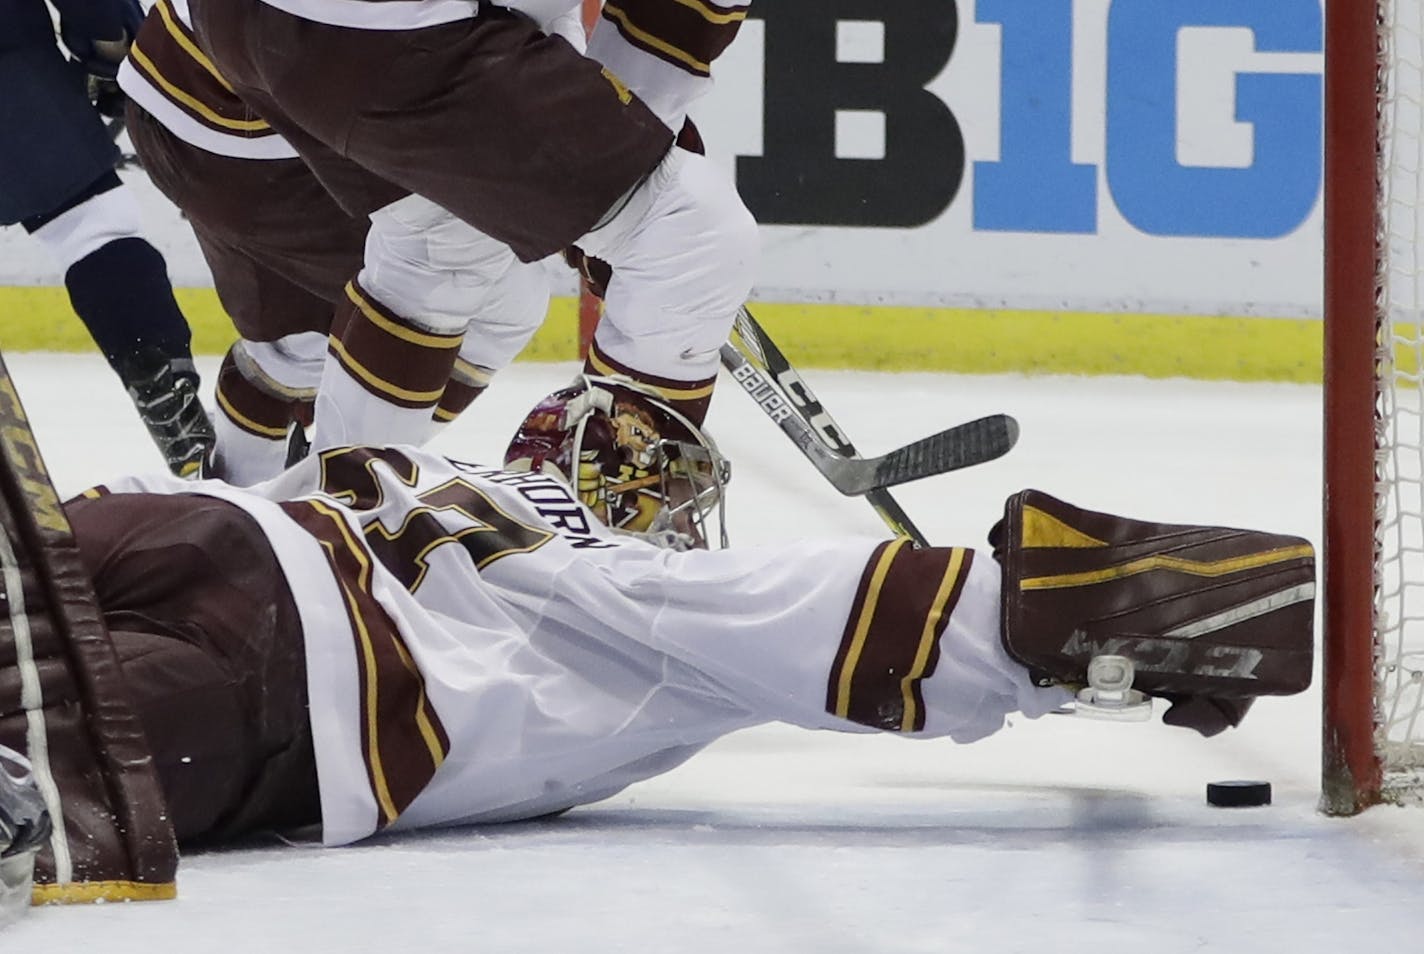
<point x="63" y="701"/>
<point x="1200" y="610"/>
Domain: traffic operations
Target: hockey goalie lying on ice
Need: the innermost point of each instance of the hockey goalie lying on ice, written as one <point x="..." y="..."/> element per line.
<point x="384" y="639"/>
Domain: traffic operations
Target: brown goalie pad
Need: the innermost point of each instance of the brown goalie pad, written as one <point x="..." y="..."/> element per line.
<point x="62" y="699"/>
<point x="1200" y="611"/>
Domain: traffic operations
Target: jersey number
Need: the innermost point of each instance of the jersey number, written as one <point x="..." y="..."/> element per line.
<point x="457" y="512"/>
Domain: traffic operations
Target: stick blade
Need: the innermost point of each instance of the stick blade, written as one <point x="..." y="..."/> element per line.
<point x="964" y="445"/>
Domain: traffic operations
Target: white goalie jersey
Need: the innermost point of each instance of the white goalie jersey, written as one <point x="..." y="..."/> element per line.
<point x="480" y="648"/>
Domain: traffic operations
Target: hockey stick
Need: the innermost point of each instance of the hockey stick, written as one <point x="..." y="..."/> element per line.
<point x="756" y="345"/>
<point x="961" y="446"/>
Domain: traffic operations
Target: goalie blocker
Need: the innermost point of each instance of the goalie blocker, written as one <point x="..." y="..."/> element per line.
<point x="1211" y="617"/>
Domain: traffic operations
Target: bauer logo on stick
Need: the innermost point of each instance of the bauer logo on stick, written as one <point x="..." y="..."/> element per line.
<point x="762" y="392"/>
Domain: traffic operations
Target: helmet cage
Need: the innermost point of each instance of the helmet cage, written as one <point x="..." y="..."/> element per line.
<point x="690" y="480"/>
<point x="660" y="477"/>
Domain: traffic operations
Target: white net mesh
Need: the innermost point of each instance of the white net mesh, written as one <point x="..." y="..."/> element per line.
<point x="1399" y="564"/>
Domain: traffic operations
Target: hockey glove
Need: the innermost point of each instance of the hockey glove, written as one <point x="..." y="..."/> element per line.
<point x="1211" y="617"/>
<point x="100" y="57"/>
<point x="1206" y="714"/>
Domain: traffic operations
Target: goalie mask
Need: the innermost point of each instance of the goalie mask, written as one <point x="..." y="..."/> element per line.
<point x="638" y="464"/>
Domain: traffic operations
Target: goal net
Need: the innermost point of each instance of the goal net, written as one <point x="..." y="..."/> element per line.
<point x="1374" y="428"/>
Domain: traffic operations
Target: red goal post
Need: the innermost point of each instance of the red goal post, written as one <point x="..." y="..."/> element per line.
<point x="1373" y="667"/>
<point x="589" y="307"/>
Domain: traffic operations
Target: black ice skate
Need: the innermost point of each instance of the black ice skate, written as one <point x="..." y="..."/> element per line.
<point x="165" y="391"/>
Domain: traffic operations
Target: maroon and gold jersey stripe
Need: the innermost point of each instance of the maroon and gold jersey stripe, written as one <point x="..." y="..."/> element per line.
<point x="165" y="54"/>
<point x="248" y="407"/>
<point x="690" y="398"/>
<point x="689" y="34"/>
<point x="402" y="739"/>
<point x="230" y="403"/>
<point x="388" y="355"/>
<point x="458" y="396"/>
<point x="467" y="382"/>
<point x="891" y="641"/>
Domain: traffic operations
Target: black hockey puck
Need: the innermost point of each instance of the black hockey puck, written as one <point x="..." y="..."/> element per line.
<point x="1238" y="793"/>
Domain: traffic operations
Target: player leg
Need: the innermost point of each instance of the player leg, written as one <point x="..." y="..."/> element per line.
<point x="659" y="314"/>
<point x="534" y="145"/>
<point x="395" y="344"/>
<point x="57" y="179"/>
<point x="651" y="341"/>
<point x="118" y="285"/>
<point x="664" y="51"/>
<point x="366" y="368"/>
<point x="259" y="221"/>
<point x="426" y="276"/>
<point x="501" y="325"/>
<point x="268" y="380"/>
<point x="280" y="250"/>
<point x="683" y="250"/>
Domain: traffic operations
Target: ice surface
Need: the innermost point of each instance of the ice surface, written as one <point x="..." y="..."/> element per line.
<point x="1052" y="835"/>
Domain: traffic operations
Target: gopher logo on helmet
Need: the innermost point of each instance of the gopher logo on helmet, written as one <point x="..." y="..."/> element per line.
<point x="625" y="482"/>
<point x="635" y="431"/>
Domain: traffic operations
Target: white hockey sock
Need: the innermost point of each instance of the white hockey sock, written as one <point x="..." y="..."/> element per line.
<point x="427" y="277"/>
<point x="245" y="458"/>
<point x="383" y="378"/>
<point x="347" y="412"/>
<point x="261" y="387"/>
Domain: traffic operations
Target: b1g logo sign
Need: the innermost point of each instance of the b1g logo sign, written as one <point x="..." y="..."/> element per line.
<point x="1035" y="185"/>
<point x="798" y="179"/>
